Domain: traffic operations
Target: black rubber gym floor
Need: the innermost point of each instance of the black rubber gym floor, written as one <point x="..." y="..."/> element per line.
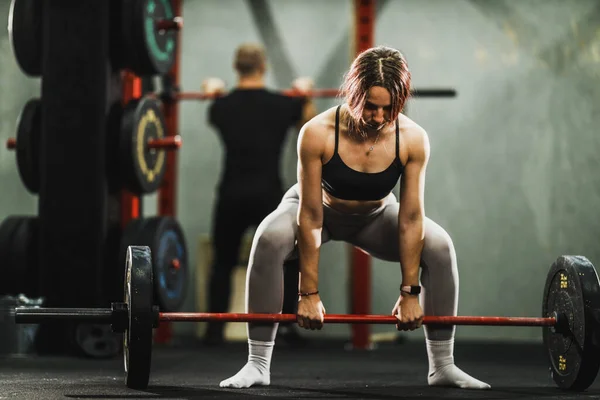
<point x="322" y="370"/>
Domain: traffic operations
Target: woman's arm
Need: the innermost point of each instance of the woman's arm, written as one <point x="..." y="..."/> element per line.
<point x="412" y="209"/>
<point x="311" y="143"/>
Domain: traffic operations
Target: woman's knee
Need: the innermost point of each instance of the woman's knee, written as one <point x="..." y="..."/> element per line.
<point x="438" y="246"/>
<point x="273" y="241"/>
<point x="274" y="238"/>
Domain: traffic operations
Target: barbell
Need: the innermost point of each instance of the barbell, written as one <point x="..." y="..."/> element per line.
<point x="570" y="321"/>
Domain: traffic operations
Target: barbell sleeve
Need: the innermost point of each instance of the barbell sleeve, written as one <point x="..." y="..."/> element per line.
<point x="33" y="315"/>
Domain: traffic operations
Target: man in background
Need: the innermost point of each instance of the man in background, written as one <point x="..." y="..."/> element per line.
<point x="252" y="123"/>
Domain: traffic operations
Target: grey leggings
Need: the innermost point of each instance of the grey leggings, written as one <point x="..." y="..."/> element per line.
<point x="375" y="233"/>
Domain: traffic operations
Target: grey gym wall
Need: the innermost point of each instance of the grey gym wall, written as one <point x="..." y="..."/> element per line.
<point x="513" y="162"/>
<point x="15" y="90"/>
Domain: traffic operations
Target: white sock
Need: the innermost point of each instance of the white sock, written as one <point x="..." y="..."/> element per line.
<point x="257" y="370"/>
<point x="443" y="372"/>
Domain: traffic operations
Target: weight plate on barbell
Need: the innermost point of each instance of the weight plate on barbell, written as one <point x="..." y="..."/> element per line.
<point x="29" y="128"/>
<point x="25" y="34"/>
<point x="572" y="288"/>
<point x="143" y="168"/>
<point x="137" y="339"/>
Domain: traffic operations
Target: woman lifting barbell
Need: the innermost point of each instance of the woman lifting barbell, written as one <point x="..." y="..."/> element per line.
<point x="350" y="159"/>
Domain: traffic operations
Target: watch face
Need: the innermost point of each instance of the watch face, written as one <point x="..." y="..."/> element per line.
<point x="415" y="289"/>
<point x="411" y="289"/>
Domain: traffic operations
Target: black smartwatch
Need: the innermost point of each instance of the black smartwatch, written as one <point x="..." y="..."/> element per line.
<point x="412" y="290"/>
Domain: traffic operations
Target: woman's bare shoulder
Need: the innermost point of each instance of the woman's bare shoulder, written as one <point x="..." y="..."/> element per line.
<point x="414" y="135"/>
<point x="320" y="127"/>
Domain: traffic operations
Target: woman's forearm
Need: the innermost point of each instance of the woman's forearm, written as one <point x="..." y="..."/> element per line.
<point x="411" y="246"/>
<point x="309" y="243"/>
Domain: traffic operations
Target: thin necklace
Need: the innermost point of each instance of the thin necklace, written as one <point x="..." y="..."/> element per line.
<point x="374" y="143"/>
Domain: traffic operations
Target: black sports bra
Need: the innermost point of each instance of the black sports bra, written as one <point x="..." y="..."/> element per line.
<point x="345" y="183"/>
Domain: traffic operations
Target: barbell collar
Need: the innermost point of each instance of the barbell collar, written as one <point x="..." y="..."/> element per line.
<point x="562" y="324"/>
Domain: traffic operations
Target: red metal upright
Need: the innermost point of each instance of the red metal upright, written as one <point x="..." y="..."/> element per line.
<point x="167" y="194"/>
<point x="360" y="268"/>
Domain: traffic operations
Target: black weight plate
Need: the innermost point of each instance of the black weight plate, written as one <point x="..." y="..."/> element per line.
<point x="571" y="288"/>
<point x="143" y="168"/>
<point x="165" y="238"/>
<point x="156" y="49"/>
<point x="137" y="339"/>
<point x="28" y="144"/>
<point x="25" y="33"/>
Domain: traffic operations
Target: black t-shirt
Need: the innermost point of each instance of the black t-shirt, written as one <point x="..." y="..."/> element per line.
<point x="252" y="125"/>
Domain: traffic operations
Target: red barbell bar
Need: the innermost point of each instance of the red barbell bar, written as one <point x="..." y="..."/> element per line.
<point x="357" y="319"/>
<point x="35" y="315"/>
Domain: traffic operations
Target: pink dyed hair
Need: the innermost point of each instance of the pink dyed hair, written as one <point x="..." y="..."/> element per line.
<point x="378" y="66"/>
